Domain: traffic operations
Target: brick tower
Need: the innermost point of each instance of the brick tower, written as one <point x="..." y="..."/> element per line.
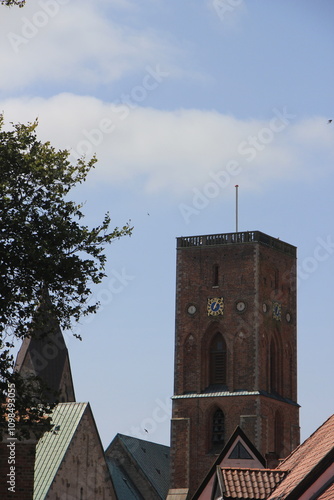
<point x="235" y="350"/>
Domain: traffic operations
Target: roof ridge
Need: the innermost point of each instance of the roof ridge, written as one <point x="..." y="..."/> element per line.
<point x="257" y="469"/>
<point x="141" y="440"/>
<point x="72" y="403"/>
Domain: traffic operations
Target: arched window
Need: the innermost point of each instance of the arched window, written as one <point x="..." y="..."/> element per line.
<point x="218" y="430"/>
<point x="218" y="360"/>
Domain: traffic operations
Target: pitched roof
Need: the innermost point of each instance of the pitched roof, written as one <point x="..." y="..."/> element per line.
<point x="237" y="437"/>
<point x="254" y="484"/>
<point x="307" y="462"/>
<point x="151" y="458"/>
<point x="123" y="485"/>
<point x="65" y="418"/>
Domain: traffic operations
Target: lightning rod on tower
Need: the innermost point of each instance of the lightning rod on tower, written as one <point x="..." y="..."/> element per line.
<point x="236" y="208"/>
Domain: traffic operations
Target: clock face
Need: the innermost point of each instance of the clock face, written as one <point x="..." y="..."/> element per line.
<point x="264" y="307"/>
<point x="191" y="309"/>
<point x="215" y="306"/>
<point x="277" y="310"/>
<point x="288" y="317"/>
<point x="241" y="306"/>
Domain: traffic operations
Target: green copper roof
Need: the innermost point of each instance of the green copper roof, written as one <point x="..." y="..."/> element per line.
<point x="52" y="447"/>
<point x="211" y="394"/>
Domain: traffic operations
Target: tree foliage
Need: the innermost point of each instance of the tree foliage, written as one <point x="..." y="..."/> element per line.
<point x="43" y="244"/>
<point x="10" y="3"/>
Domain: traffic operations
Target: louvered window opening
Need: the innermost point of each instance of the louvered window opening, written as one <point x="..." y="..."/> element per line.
<point x="218" y="361"/>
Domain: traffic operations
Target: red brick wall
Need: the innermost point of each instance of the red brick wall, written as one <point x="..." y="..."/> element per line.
<point x="180" y="431"/>
<point x="24" y="471"/>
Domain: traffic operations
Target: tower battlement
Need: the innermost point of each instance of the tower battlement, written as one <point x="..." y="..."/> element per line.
<point x="235" y="239"/>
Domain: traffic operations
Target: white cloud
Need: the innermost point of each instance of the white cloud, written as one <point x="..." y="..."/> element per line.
<point x="74" y="41"/>
<point x="176" y="151"/>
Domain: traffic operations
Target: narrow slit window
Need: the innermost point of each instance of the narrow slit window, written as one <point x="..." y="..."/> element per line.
<point x="276" y="279"/>
<point x="215" y="275"/>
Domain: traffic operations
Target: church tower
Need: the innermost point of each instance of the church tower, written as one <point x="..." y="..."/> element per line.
<point x="45" y="355"/>
<point x="235" y="350"/>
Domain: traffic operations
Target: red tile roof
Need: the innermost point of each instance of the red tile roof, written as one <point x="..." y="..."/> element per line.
<point x="255" y="484"/>
<point x="306" y="460"/>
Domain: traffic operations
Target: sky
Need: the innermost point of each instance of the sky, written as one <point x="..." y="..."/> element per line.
<point x="181" y="101"/>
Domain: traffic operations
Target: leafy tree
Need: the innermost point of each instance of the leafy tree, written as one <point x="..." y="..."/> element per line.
<point x="9" y="3"/>
<point x="43" y="245"/>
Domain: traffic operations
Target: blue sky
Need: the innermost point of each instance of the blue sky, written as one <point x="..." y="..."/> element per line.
<point x="180" y="101"/>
